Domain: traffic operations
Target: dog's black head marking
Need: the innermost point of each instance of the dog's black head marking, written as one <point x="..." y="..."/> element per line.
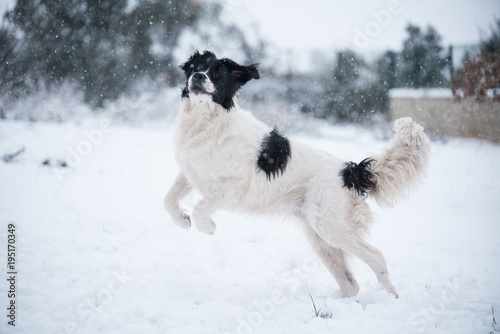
<point x="226" y="75"/>
<point x="274" y="154"/>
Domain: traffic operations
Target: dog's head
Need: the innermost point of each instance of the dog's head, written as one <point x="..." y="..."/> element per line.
<point x="216" y="79"/>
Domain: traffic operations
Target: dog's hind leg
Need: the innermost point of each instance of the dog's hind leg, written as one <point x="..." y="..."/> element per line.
<point x="373" y="258"/>
<point x="335" y="261"/>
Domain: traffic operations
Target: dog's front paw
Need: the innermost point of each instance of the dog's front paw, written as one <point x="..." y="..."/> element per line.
<point x="205" y="225"/>
<point x="182" y="219"/>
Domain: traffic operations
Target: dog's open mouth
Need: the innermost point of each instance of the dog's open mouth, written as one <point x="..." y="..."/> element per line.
<point x="198" y="90"/>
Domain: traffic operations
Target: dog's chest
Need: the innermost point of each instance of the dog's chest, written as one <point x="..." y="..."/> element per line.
<point x="224" y="162"/>
<point x="223" y="150"/>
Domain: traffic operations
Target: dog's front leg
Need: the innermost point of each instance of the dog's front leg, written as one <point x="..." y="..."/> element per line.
<point x="202" y="212"/>
<point x="179" y="190"/>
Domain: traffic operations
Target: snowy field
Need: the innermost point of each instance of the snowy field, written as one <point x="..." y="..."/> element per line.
<point x="96" y="253"/>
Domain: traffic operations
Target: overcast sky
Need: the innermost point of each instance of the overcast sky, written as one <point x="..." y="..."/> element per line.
<point x="364" y="25"/>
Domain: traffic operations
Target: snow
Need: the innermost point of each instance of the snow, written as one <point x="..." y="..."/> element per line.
<point x="430" y="93"/>
<point x="491" y="93"/>
<point x="96" y="253"/>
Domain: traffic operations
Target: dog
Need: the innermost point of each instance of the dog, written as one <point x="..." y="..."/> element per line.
<point x="240" y="164"/>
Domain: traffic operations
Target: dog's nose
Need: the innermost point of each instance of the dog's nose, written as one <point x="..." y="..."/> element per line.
<point x="199" y="77"/>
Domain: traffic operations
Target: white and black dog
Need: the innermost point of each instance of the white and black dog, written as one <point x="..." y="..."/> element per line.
<point x="238" y="163"/>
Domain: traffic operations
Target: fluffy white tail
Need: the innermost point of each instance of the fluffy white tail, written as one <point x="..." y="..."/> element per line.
<point x="402" y="165"/>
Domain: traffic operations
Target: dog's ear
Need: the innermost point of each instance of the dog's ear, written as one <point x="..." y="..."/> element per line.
<point x="245" y="73"/>
<point x="253" y="71"/>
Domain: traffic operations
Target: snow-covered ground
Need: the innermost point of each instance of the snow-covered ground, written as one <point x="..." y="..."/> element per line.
<point x="96" y="253"/>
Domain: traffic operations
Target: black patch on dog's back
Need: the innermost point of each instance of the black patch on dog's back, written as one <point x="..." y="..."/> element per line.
<point x="274" y="153"/>
<point x="358" y="176"/>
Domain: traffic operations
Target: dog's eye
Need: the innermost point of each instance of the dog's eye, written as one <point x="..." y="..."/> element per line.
<point x="216" y="75"/>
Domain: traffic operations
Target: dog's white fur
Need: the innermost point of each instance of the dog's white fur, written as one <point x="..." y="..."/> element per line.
<point x="217" y="152"/>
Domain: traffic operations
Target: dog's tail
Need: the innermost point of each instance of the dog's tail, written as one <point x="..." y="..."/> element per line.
<point x="390" y="176"/>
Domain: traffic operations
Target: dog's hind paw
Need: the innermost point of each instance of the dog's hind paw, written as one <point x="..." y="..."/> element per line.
<point x="205" y="225"/>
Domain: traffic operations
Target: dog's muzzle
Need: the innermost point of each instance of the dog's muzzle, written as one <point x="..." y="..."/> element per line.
<point x="200" y="84"/>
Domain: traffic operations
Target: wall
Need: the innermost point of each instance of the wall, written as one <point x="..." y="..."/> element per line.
<point x="448" y="117"/>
